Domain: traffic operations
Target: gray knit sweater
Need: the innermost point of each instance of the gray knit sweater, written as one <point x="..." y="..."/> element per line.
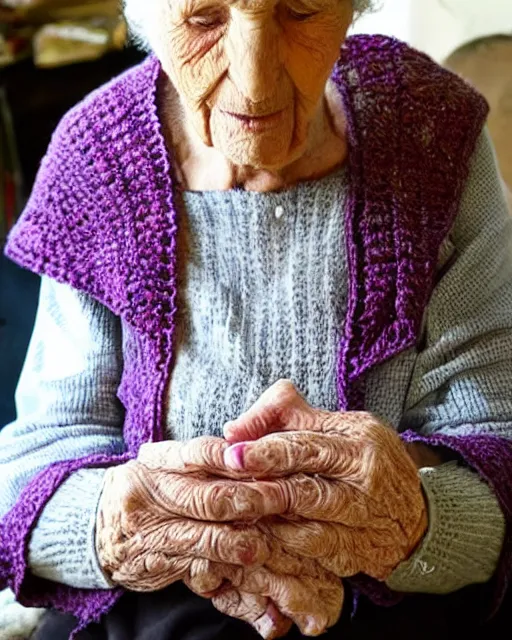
<point x="242" y="325"/>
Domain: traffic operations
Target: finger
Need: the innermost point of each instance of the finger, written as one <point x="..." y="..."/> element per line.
<point x="283" y="560"/>
<point x="281" y="454"/>
<point x="343" y="551"/>
<point x="309" y="548"/>
<point x="314" y="604"/>
<point x="166" y="555"/>
<point x="243" y="545"/>
<point x="376" y="470"/>
<point x="220" y="500"/>
<point x="298" y="496"/>
<point x="279" y="408"/>
<point x="254" y="609"/>
<point x="207" y="578"/>
<point x="273" y="619"/>
<point x="199" y="454"/>
<point x="244" y="606"/>
<point x="150" y="571"/>
<point x="316" y="498"/>
<point x="150" y="496"/>
<point x="214" y="500"/>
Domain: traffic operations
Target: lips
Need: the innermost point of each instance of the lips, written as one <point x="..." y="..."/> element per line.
<point x="256" y="122"/>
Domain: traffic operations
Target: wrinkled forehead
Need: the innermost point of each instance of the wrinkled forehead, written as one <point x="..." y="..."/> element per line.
<point x="249" y="5"/>
<point x="144" y="16"/>
<point x="243" y="5"/>
<point x="255" y="5"/>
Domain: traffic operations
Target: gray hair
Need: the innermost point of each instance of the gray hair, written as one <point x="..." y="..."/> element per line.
<point x="135" y="12"/>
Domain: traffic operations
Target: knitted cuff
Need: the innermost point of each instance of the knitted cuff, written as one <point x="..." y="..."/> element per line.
<point x="62" y="545"/>
<point x="465" y="535"/>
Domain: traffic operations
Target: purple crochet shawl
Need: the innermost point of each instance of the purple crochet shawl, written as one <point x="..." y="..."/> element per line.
<point x="103" y="218"/>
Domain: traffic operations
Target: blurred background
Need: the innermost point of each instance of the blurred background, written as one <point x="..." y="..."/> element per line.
<point x="438" y="27"/>
<point x="54" y="52"/>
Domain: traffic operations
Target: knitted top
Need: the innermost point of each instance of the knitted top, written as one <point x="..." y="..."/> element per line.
<point x="262" y="295"/>
<point x="102" y="219"/>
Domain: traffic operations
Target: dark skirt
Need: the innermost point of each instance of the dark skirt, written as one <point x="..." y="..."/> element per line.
<point x="177" y="614"/>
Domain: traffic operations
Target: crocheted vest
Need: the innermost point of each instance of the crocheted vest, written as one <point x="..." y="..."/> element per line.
<point x="102" y="218"/>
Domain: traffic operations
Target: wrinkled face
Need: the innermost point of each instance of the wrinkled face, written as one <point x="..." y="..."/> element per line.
<point x="251" y="73"/>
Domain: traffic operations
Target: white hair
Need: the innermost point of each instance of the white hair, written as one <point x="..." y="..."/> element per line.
<point x="136" y="13"/>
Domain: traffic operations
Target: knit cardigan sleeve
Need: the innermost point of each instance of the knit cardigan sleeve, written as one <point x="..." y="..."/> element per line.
<point x="60" y="235"/>
<point x="460" y="398"/>
<point x="68" y="179"/>
<point x="66" y="408"/>
<point x="53" y="456"/>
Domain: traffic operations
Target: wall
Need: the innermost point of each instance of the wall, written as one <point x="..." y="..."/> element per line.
<point x="438" y="26"/>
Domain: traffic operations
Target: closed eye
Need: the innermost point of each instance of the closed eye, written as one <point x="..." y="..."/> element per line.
<point x="208" y="20"/>
<point x="300" y="16"/>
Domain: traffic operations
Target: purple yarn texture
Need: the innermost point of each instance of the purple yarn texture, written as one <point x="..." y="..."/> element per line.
<point x="102" y="218"/>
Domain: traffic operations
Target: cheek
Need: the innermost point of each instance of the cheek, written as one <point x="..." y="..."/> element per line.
<point x="197" y="63"/>
<point x="310" y="53"/>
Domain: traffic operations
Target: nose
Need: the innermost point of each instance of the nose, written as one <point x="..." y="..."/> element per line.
<point x="253" y="53"/>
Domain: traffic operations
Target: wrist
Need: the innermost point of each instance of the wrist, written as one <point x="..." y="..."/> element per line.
<point x="424" y="456"/>
<point x="418" y="535"/>
<point x="103" y="530"/>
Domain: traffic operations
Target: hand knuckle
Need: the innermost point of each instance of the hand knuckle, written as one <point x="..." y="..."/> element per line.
<point x="285" y="390"/>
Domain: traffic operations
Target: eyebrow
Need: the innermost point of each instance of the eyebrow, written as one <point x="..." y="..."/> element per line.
<point x="309" y="5"/>
<point x="305" y="6"/>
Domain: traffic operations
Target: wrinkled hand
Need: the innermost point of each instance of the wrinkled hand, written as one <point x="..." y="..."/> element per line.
<point x="151" y="522"/>
<point x="353" y="481"/>
<point x="312" y="598"/>
<point x="156" y="527"/>
<point x="347" y="491"/>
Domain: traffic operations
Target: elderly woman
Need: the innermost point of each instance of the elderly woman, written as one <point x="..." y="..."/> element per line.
<point x="274" y="343"/>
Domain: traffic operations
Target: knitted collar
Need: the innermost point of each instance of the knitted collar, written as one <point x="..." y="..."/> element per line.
<point x="412" y="129"/>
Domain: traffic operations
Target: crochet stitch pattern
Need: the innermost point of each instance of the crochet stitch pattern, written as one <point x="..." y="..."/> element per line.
<point x="102" y="218"/>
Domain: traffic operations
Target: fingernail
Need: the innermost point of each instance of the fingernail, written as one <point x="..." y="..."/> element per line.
<point x="265" y="626"/>
<point x="227" y="429"/>
<point x="313" y="626"/>
<point x="234" y="456"/>
<point x="273" y="612"/>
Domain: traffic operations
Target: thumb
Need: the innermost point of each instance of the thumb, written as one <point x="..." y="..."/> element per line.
<point x="279" y="408"/>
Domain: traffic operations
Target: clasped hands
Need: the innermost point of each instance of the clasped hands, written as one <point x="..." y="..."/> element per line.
<point x="267" y="521"/>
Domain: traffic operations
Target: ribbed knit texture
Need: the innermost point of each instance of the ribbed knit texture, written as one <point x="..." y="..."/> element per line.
<point x="65" y="538"/>
<point x="467" y="537"/>
<point x="262" y="297"/>
<point x="102" y="218"/>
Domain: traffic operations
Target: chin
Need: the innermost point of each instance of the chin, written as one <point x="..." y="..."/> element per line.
<point x="270" y="145"/>
<point x="269" y="152"/>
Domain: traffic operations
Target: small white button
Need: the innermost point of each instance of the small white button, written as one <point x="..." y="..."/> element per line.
<point x="279" y="212"/>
